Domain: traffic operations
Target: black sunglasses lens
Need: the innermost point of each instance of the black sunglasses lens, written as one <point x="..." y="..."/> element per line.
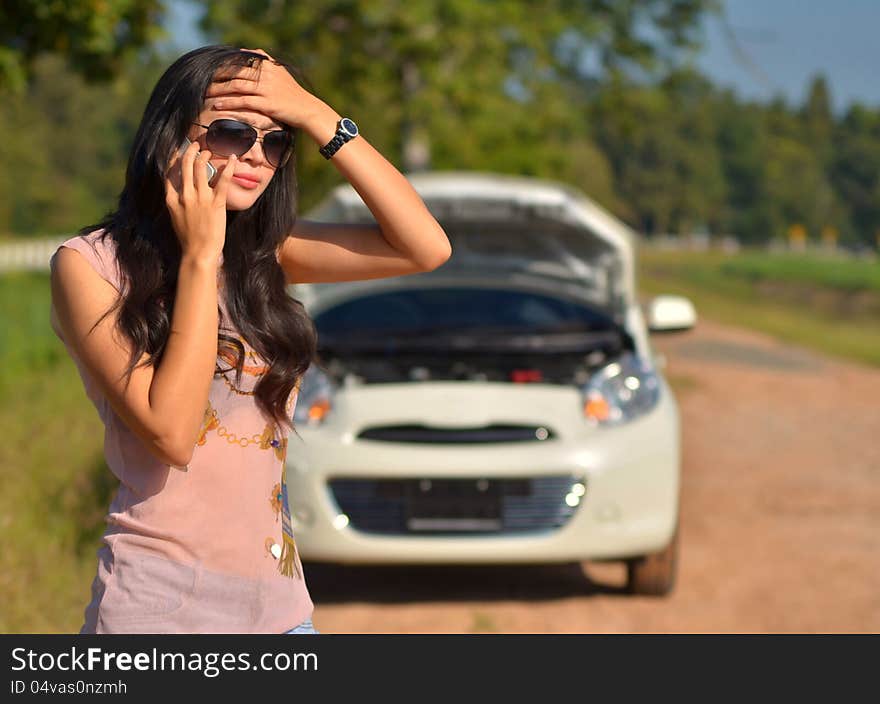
<point x="277" y="146"/>
<point x="226" y="137"/>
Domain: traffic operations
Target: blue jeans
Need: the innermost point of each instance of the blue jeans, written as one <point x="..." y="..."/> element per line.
<point x="305" y="627"/>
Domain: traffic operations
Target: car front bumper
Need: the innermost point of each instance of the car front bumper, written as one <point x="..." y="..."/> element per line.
<point x="631" y="473"/>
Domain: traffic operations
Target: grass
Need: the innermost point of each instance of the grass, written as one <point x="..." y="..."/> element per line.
<point x="840" y="317"/>
<point x="815" y="271"/>
<point x="56" y="486"/>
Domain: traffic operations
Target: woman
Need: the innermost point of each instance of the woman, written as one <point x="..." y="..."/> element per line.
<point x="175" y="311"/>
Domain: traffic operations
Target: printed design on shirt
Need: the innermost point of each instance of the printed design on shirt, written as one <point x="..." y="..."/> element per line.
<point x="254" y="369"/>
<point x="286" y="553"/>
<point x="266" y="440"/>
<point x="253" y="366"/>
<point x="242" y="392"/>
<point x="272" y="548"/>
<point x="275" y="500"/>
<point x="234" y="388"/>
<point x="210" y="422"/>
<point x="288" y="562"/>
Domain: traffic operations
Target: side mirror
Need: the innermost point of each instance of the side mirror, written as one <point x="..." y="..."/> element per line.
<point x="671" y="314"/>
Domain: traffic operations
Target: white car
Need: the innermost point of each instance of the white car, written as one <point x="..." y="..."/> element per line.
<point x="505" y="407"/>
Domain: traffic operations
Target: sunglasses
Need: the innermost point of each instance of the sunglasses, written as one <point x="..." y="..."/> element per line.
<point x="226" y="137"/>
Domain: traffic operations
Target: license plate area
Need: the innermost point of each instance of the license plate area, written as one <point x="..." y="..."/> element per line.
<point x="454" y="505"/>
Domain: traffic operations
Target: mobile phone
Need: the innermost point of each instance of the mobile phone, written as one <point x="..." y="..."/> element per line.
<point x="211" y="170"/>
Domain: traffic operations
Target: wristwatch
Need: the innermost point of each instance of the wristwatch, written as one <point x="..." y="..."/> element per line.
<point x="346" y="130"/>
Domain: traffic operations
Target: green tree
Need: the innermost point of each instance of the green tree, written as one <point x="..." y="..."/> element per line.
<point x="633" y="127"/>
<point x="661" y="143"/>
<point x="573" y="92"/>
<point x="817" y="118"/>
<point x="96" y="35"/>
<point x="460" y="83"/>
<point x="749" y="211"/>
<point x="65" y="166"/>
<point x="855" y="172"/>
<point x="701" y="189"/>
<point x="797" y="183"/>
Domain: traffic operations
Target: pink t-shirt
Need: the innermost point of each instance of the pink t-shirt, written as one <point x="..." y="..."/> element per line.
<point x="197" y="549"/>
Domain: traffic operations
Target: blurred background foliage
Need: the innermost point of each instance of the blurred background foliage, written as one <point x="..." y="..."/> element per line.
<point x="98" y="36"/>
<point x="595" y="93"/>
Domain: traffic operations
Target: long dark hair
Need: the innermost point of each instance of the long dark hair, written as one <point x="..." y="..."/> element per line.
<point x="148" y="250"/>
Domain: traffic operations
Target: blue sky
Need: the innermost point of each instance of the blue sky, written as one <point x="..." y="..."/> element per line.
<point x="791" y="40"/>
<point x="784" y="42"/>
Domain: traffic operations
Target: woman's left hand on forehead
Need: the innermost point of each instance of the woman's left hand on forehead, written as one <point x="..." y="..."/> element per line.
<point x="268" y="89"/>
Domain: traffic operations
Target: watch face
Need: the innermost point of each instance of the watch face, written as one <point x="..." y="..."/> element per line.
<point x="348" y="126"/>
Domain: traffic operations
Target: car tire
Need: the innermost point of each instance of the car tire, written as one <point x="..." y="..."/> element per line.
<point x="654" y="574"/>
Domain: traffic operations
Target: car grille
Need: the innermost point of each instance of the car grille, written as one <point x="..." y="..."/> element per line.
<point x="485" y="434"/>
<point x="456" y="506"/>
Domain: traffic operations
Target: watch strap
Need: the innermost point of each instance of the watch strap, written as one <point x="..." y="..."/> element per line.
<point x="333" y="145"/>
<point x="340" y="138"/>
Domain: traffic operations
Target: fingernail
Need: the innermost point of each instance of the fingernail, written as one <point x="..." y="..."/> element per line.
<point x="218" y="104"/>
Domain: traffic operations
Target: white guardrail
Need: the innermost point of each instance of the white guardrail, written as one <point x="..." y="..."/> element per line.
<point x="30" y="254"/>
<point x="33" y="254"/>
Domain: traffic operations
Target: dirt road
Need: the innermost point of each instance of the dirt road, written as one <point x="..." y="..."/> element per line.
<point x="780" y="517"/>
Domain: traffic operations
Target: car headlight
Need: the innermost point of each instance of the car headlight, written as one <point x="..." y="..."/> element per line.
<point x="621" y="391"/>
<point x="315" y="398"/>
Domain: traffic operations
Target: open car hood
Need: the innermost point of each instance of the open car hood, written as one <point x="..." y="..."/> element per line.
<point x="516" y="227"/>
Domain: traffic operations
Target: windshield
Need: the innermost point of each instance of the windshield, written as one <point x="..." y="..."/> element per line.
<point x="458" y="309"/>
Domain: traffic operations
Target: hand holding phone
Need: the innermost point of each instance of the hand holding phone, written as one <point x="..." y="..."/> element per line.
<point x="197" y="209"/>
<point x="211" y="171"/>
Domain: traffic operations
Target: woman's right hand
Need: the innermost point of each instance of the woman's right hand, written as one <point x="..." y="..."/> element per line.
<point x="198" y="212"/>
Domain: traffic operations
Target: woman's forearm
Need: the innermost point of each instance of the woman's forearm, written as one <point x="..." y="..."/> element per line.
<point x="182" y="380"/>
<point x="405" y="222"/>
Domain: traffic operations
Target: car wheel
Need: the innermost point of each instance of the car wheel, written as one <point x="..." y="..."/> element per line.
<point x="654" y="574"/>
